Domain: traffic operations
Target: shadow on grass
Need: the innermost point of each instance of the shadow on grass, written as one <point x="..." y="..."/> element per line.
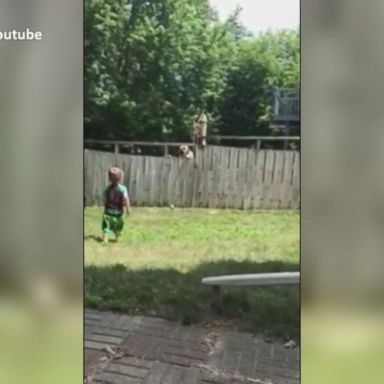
<point x="270" y="310"/>
<point x="98" y="239"/>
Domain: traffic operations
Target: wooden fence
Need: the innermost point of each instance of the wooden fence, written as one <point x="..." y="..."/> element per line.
<point x="218" y="177"/>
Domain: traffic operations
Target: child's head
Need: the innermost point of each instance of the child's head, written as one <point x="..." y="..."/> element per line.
<point x="114" y="175"/>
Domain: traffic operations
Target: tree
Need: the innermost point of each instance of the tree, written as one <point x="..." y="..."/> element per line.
<point x="279" y="52"/>
<point x="148" y="63"/>
<point x="271" y="59"/>
<point x="105" y="22"/>
<point x="236" y="30"/>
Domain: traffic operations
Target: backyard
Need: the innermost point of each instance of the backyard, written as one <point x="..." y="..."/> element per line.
<point x="157" y="266"/>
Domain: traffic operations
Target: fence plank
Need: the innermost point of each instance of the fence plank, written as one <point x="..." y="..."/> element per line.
<point x="241" y="180"/>
<point x="267" y="178"/>
<point x="296" y="181"/>
<point x="277" y="179"/>
<point x="226" y="178"/>
<point x="233" y="176"/>
<point x="205" y="178"/>
<point x="259" y="179"/>
<point x="249" y="171"/>
<point x="286" y="180"/>
<point x="214" y="166"/>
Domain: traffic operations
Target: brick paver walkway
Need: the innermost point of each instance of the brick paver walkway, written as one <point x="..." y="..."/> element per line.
<point x="121" y="349"/>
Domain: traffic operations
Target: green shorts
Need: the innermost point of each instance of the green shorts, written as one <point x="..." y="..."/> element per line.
<point x="112" y="224"/>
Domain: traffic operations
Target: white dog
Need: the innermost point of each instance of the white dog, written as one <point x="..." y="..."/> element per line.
<point x="185" y="152"/>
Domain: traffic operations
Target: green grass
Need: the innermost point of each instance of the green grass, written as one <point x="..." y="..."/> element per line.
<point x="157" y="266"/>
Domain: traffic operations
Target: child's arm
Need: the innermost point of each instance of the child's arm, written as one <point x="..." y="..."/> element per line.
<point x="104" y="197"/>
<point x="127" y="202"/>
<point x="128" y="205"/>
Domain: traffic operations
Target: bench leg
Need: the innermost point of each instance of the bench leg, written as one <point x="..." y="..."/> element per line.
<point x="217" y="298"/>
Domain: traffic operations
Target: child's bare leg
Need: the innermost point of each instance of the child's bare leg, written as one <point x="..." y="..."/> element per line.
<point x="104" y="237"/>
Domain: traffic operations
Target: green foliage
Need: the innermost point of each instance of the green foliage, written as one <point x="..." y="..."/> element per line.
<point x="150" y="65"/>
<point x="279" y="52"/>
<point x="236" y="31"/>
<point x="271" y="59"/>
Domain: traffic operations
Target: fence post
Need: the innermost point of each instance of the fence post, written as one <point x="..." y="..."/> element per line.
<point x="286" y="134"/>
<point x="116" y="146"/>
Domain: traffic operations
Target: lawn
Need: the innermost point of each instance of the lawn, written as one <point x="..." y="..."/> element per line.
<point x="157" y="266"/>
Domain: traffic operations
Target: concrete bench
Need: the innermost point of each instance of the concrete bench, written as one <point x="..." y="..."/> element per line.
<point x="279" y="278"/>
